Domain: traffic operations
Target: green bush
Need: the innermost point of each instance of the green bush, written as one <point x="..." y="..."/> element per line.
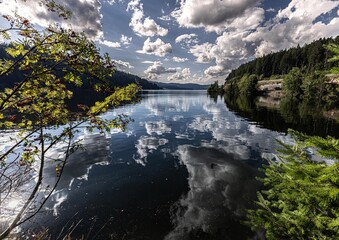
<point x="317" y="90"/>
<point x="292" y="83"/>
<point x="214" y="88"/>
<point x="313" y="87"/>
<point x="247" y="85"/>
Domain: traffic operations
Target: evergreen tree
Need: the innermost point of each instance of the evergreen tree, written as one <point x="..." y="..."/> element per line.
<point x="302" y="199"/>
<point x="214" y="88"/>
<point x="335" y="49"/>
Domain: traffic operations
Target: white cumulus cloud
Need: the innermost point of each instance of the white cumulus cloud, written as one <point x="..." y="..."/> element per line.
<point x="158" y="48"/>
<point x="111" y="2"/>
<point x="214" y="15"/>
<point x="229" y="51"/>
<point x="202" y="52"/>
<point x="109" y="43"/>
<point x="90" y="23"/>
<point x="179" y="76"/>
<point x="165" y="18"/>
<point x="141" y="25"/>
<point x="296" y="24"/>
<point x="179" y="59"/>
<point x="125" y="40"/>
<point x="187" y="40"/>
<point x="122" y="64"/>
<point x="157" y="69"/>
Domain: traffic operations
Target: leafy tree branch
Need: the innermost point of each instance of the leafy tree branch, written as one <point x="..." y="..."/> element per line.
<point x="51" y="63"/>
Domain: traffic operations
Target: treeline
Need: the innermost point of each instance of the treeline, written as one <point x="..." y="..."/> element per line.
<point x="308" y="58"/>
<point x="312" y="89"/>
<point x="215" y="88"/>
<point x="120" y="79"/>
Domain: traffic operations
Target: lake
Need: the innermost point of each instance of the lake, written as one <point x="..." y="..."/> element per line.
<point x="185" y="168"/>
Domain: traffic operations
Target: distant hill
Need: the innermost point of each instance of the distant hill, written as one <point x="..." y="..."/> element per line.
<point x="183" y="86"/>
<point x="81" y="95"/>
<point x="308" y="58"/>
<point x="121" y="79"/>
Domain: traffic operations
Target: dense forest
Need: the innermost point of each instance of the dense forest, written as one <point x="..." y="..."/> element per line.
<point x="308" y="58"/>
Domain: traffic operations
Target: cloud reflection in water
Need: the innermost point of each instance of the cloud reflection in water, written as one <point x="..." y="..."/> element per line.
<point x="95" y="151"/>
<point x="158" y="127"/>
<point x="146" y="145"/>
<point x="221" y="187"/>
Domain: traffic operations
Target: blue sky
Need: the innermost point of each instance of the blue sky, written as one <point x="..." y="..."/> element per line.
<point x="196" y="41"/>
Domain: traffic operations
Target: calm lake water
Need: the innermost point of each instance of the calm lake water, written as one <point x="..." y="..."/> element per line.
<point x="184" y="169"/>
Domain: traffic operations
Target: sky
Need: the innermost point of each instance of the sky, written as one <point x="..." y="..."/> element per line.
<point x="189" y="41"/>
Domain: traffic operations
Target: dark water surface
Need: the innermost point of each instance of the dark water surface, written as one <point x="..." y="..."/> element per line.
<point x="184" y="169"/>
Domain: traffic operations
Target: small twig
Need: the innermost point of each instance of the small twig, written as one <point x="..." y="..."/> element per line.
<point x="103" y="226"/>
<point x="66" y="225"/>
<point x="72" y="230"/>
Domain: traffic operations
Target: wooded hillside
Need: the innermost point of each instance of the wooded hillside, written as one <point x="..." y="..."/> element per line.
<point x="308" y="58"/>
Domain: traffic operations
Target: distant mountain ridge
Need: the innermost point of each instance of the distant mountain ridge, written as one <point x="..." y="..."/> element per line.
<point x="121" y="79"/>
<point x="182" y="86"/>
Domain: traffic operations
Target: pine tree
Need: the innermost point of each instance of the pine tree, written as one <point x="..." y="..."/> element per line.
<point x="302" y="196"/>
<point x="335" y="49"/>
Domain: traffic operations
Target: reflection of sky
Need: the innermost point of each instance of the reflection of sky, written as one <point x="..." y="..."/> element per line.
<point x="158" y="127"/>
<point x="163" y="104"/>
<point x="234" y="134"/>
<point x="220" y="189"/>
<point x="214" y="145"/>
<point x="146" y="145"/>
<point x="95" y="150"/>
<point x="220" y="182"/>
